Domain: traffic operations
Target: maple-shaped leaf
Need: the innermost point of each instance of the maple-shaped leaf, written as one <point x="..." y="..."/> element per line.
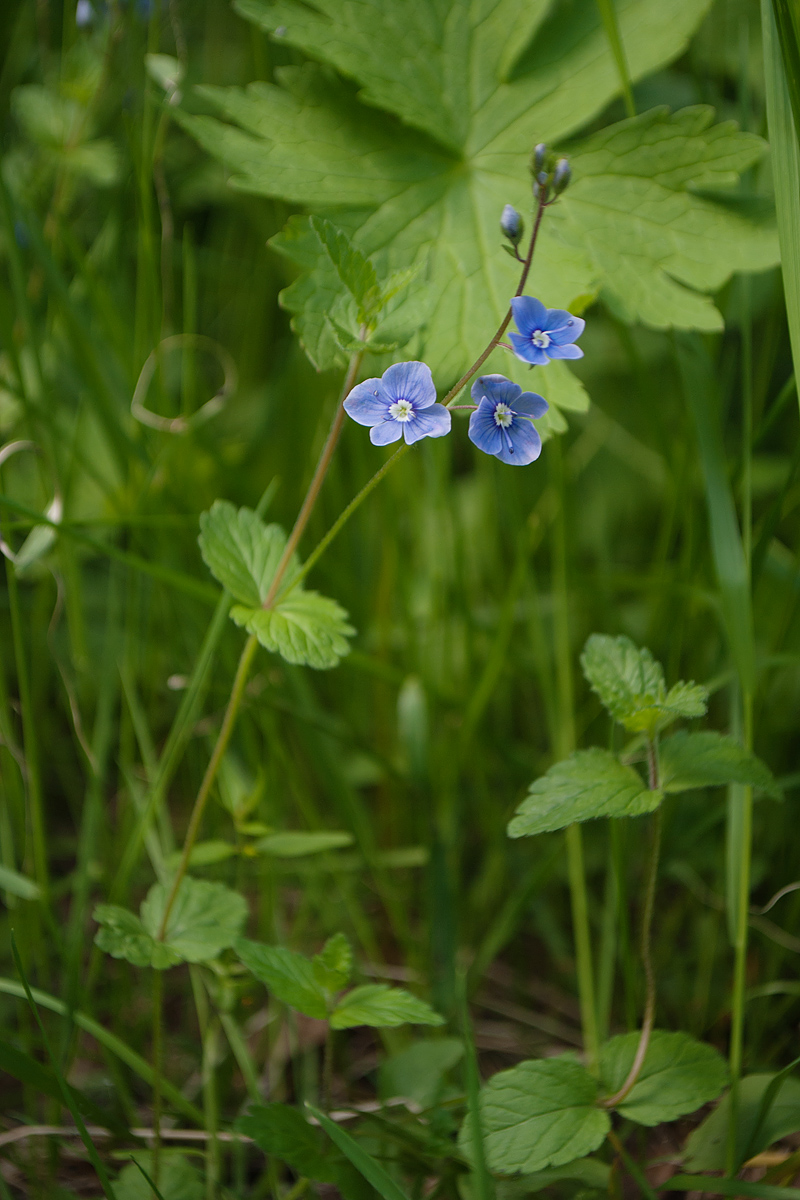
<point x="413" y="127"/>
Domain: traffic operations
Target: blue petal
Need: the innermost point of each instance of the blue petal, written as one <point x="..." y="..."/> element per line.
<point x="529" y="314"/>
<point x="483" y="430"/>
<point x="431" y="422"/>
<point x="526" y="443"/>
<point x="368" y="403"/>
<point x="532" y="404"/>
<point x="494" y="389"/>
<point x="565" y="351"/>
<point x="410" y="381"/>
<point x="525" y="349"/>
<point x="388" y="431"/>
<point x="570" y="331"/>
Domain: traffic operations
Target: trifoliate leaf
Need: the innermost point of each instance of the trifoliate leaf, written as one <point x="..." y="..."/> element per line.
<point x="678" y="1076"/>
<point x="697" y="760"/>
<point x="485" y="83"/>
<point x="293" y="844"/>
<point x="382" y="1007"/>
<point x="333" y="965"/>
<point x="630" y="684"/>
<point x="756" y="1129"/>
<point x="588" y="784"/>
<point x="205" y="919"/>
<point x="303" y="628"/>
<point x="539" y="1114"/>
<point x="240" y="550"/>
<point x="288" y="976"/>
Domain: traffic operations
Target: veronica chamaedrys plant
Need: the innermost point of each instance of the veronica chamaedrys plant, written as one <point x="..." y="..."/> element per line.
<point x="544" y="333"/>
<point x="502" y="424"/>
<point x="402" y="403"/>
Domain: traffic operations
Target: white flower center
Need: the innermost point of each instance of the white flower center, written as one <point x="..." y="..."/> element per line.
<point x="401" y="410"/>
<point x="540" y="339"/>
<point x="503" y="415"/>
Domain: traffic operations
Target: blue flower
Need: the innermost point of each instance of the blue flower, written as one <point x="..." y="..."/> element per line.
<point x="501" y="424"/>
<point x="544" y="333"/>
<point x="401" y="403"/>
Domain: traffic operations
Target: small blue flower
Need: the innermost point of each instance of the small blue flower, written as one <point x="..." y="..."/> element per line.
<point x="401" y="403"/>
<point x="501" y="424"/>
<point x="544" y="333"/>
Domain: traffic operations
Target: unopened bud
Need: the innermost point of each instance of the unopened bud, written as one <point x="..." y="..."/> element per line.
<point x="539" y="155"/>
<point x="561" y="175"/>
<point x="511" y="224"/>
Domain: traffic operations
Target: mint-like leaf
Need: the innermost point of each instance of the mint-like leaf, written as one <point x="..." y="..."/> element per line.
<point x="630" y="684"/>
<point x="678" y="1076"/>
<point x="539" y="1114"/>
<point x="698" y="760"/>
<point x="382" y="1007"/>
<point x="240" y="550"/>
<point x="288" y="976"/>
<point x="333" y="965"/>
<point x="303" y="628"/>
<point x="588" y="784"/>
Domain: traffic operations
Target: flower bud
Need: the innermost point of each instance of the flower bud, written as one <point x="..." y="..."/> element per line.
<point x="539" y="155"/>
<point x="561" y="175"/>
<point x="511" y="224"/>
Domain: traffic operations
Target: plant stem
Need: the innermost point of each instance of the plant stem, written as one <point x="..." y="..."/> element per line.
<point x="218" y="754"/>
<point x="316" y="483"/>
<point x="740" y="941"/>
<point x="481" y="359"/>
<point x="158" y="994"/>
<point x="327" y="1069"/>
<point x="647" y="961"/>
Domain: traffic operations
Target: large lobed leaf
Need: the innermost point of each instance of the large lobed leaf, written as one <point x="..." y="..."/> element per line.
<point x="449" y="98"/>
<point x="588" y="784"/>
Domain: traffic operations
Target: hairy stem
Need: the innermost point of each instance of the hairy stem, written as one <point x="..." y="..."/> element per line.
<point x="647" y="961"/>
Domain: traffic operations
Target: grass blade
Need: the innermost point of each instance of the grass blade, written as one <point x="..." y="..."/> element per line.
<point x="364" y="1163"/>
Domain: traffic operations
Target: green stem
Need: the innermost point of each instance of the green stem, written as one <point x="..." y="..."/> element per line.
<point x="210" y="1106"/>
<point x="158" y="1055"/>
<point x="647" y="961"/>
<point x="583" y="946"/>
<point x="327" y="1069"/>
<point x="740" y="942"/>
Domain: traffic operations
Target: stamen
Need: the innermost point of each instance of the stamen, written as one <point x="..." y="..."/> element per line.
<point x="401" y="410"/>
<point x="540" y="339"/>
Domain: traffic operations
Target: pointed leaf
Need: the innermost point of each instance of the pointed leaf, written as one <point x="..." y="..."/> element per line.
<point x="678" y="1076"/>
<point x="289" y="976"/>
<point x="697" y="760"/>
<point x="364" y="1163"/>
<point x="355" y="272"/>
<point x="382" y="1007"/>
<point x="630" y="684"/>
<point x="293" y="844"/>
<point x="708" y="1144"/>
<point x="539" y="1114"/>
<point x="240" y="550"/>
<point x="588" y="784"/>
<point x="333" y="966"/>
<point x="303" y="628"/>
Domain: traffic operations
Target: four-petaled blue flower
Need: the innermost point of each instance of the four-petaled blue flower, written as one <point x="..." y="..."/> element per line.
<point x="400" y="404"/>
<point x="501" y="424"/>
<point x="544" y="333"/>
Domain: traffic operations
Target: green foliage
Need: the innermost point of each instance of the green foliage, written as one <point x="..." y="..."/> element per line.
<point x="177" y="1179"/>
<point x="539" y="1114"/>
<point x="27" y="1070"/>
<point x="418" y="1073"/>
<point x="333" y="966"/>
<point x="284" y="1133"/>
<point x="367" y="1166"/>
<point x="382" y="1007"/>
<point x="679" y="1075"/>
<point x="296" y="843"/>
<point x="588" y="784"/>
<point x="243" y="553"/>
<point x="289" y="976"/>
<point x="18" y="884"/>
<point x="205" y="919"/>
<point x="707" y="1145"/>
<point x="630" y="684"/>
<point x="696" y="760"/>
<point x="312" y="142"/>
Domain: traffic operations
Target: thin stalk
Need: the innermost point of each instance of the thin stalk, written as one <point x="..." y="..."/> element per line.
<point x="631" y="1166"/>
<point x="565" y="745"/>
<point x="158" y="1056"/>
<point x="740" y="941"/>
<point x="327" y="1068"/>
<point x="211" y="1107"/>
<point x="647" y="962"/>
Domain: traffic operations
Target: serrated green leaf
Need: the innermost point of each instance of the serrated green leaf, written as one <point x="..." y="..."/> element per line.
<point x="122" y="935"/>
<point x="630" y="684"/>
<point x="707" y="1145"/>
<point x="539" y="1114"/>
<point x="333" y="965"/>
<point x="382" y="1007"/>
<point x="293" y="844"/>
<point x="485" y="83"/>
<point x="588" y="784"/>
<point x="240" y="551"/>
<point x="205" y="919"/>
<point x="355" y="272"/>
<point x="351" y="344"/>
<point x="289" y="976"/>
<point x="678" y="1076"/>
<point x="697" y="760"/>
<point x="304" y="628"/>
